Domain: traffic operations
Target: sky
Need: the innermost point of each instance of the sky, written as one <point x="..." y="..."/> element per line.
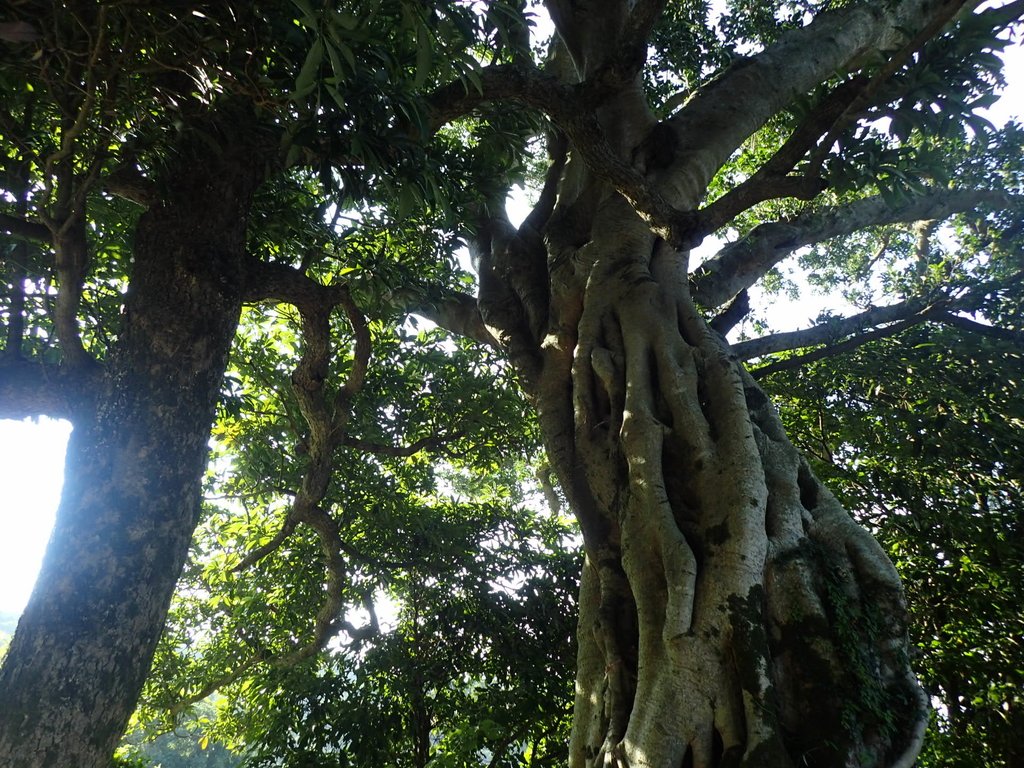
<point x="31" y="475"/>
<point x="32" y="452"/>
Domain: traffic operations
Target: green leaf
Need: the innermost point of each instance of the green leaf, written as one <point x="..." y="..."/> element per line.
<point x="307" y="80"/>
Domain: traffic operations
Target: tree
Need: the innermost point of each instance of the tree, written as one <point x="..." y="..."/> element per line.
<point x="159" y="155"/>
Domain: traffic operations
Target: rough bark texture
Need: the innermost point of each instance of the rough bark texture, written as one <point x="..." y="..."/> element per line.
<point x="132" y="481"/>
<point x="741" y="617"/>
<point x="732" y="613"/>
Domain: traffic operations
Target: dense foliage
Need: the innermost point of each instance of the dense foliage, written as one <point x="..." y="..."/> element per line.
<point x="382" y="570"/>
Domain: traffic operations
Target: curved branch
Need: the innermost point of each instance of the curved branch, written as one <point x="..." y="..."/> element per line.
<point x="270" y="547"/>
<point x="740" y="264"/>
<point x="455" y="312"/>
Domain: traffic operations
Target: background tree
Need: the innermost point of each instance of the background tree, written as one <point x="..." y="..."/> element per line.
<point x="320" y="164"/>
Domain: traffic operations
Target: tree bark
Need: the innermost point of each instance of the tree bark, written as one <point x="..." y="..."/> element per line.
<point x="133" y="476"/>
<point x="732" y="613"/>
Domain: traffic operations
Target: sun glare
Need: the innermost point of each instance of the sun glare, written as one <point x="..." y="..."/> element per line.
<point x="31" y="477"/>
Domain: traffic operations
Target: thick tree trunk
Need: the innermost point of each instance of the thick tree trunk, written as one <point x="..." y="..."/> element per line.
<point x="132" y="481"/>
<point x="732" y="614"/>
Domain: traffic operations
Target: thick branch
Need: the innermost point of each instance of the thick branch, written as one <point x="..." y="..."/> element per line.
<point x="457" y="313"/>
<point x="832" y="331"/>
<point x="722" y="115"/>
<point x="280" y="282"/>
<point x="30" y="230"/>
<point x="453" y="311"/>
<point x="71" y="262"/>
<point x="732" y="315"/>
<point x="631" y="52"/>
<point x="126" y="181"/>
<point x="29" y="389"/>
<point x="572" y="109"/>
<point x="741" y="264"/>
<point x="524" y="84"/>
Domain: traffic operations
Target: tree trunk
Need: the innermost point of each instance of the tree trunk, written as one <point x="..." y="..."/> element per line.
<point x="731" y="612"/>
<point x="132" y="480"/>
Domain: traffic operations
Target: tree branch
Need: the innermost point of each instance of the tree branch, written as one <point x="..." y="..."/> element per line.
<point x="991" y="331"/>
<point x="30" y="230"/>
<point x="631" y="50"/>
<point x="943" y="15"/>
<point x="270" y="547"/>
<point x="833" y="331"/>
<point x="572" y="109"/>
<point x="126" y="181"/>
<point x="719" y="117"/>
<point x="457" y="313"/>
<point x="280" y="282"/>
<point x="29" y="389"/>
<point x="360" y="364"/>
<point x="521" y="83"/>
<point x="733" y="314"/>
<point x="534" y="223"/>
<point x="400" y="451"/>
<point x="71" y="262"/>
<point x="839" y="336"/>
<point x="739" y="265"/>
<point x="831" y="350"/>
<point x="770" y="180"/>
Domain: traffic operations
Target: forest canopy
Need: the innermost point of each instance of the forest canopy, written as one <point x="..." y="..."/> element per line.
<point x="366" y="471"/>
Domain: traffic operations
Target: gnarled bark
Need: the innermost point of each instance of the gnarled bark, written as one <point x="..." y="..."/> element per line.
<point x="732" y="612"/>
